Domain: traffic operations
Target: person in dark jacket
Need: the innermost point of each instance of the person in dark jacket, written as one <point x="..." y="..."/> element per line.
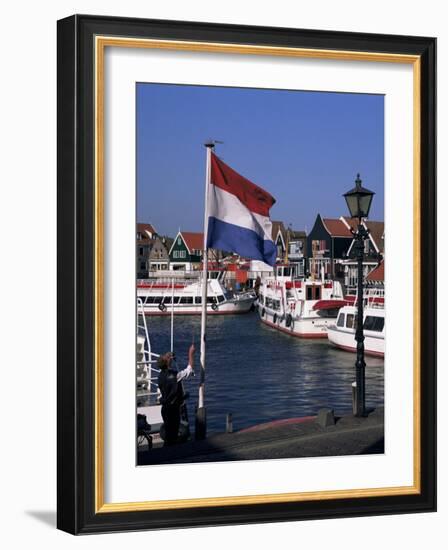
<point x="172" y="394"/>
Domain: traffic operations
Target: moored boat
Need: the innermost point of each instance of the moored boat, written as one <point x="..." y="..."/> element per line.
<point x="342" y="333"/>
<point x="184" y="297"/>
<point x="303" y="308"/>
<point x="149" y="409"/>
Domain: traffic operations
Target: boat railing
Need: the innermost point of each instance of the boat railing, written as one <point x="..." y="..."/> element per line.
<point x="375" y="298"/>
<point x="147" y="372"/>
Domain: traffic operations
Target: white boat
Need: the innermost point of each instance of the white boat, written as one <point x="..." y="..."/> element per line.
<point x="303" y="308"/>
<point x="342" y="333"/>
<point x="147" y="392"/>
<point x="184" y="297"/>
<point x="149" y="409"/>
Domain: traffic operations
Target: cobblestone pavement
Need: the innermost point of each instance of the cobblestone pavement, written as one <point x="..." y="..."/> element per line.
<point x="348" y="436"/>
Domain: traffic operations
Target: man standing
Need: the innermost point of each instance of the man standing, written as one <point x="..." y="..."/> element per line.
<point x="170" y="385"/>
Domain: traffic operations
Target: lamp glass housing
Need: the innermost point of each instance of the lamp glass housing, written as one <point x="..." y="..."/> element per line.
<point x="359" y="200"/>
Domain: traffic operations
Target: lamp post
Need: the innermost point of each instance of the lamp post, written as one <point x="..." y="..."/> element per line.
<point x="359" y="200"/>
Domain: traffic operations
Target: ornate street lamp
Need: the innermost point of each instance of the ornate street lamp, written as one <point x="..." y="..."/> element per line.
<point x="358" y="201"/>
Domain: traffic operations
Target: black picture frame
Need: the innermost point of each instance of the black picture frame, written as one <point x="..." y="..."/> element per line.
<point x="76" y="475"/>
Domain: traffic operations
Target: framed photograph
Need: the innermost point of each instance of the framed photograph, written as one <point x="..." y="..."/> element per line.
<point x="246" y="274"/>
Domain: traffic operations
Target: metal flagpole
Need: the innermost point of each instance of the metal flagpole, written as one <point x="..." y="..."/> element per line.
<point x="172" y="315"/>
<point x="201" y="421"/>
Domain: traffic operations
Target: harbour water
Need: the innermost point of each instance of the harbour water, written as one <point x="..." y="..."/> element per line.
<point x="259" y="374"/>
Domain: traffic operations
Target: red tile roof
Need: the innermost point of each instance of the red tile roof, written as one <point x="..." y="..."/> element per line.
<point x="194" y="241"/>
<point x="377" y="233"/>
<point x="336" y="228"/>
<point x="143" y="227"/>
<point x="376" y="274"/>
<point x="376" y="230"/>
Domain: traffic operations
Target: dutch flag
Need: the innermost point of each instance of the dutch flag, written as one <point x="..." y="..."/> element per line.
<point x="238" y="215"/>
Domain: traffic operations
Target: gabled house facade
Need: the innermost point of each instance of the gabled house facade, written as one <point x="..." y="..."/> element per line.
<point x="296" y="245"/>
<point x="159" y="258"/>
<point x="373" y="252"/>
<point x="145" y="233"/>
<point x="186" y="253"/>
<point x="279" y="237"/>
<point x="327" y="246"/>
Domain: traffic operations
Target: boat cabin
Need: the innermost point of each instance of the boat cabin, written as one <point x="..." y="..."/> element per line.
<point x="347" y="319"/>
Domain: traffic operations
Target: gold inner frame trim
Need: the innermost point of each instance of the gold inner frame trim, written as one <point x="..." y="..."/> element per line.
<point x="101" y="42"/>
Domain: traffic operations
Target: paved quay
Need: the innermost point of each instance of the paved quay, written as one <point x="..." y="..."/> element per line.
<point x="291" y="439"/>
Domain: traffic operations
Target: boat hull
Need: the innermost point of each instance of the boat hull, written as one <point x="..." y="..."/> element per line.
<point x="373" y="345"/>
<point x="229" y="308"/>
<point x="313" y="327"/>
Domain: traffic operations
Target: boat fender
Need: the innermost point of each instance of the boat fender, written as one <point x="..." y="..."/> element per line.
<point x="214" y="306"/>
<point x="263" y="311"/>
<point x="288" y="320"/>
<point x="162" y="307"/>
<point x="274" y="320"/>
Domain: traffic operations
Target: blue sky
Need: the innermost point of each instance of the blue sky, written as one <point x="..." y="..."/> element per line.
<point x="305" y="148"/>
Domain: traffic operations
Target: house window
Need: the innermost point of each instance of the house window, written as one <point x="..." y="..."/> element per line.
<point x="141" y="251"/>
<point x="139" y="236"/>
<point x="179" y="241"/>
<point x="142" y="266"/>
<point x="176" y="254"/>
<point x="182" y="254"/>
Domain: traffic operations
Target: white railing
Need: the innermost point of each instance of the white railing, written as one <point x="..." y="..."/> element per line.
<point x="147" y="374"/>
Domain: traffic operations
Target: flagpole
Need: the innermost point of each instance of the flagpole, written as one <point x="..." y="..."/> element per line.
<point x="201" y="422"/>
<point x="172" y="315"/>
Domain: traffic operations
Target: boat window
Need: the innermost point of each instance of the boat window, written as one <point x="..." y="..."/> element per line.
<point x="317" y="293"/>
<point x="374" y="323"/>
<point x="198" y="300"/>
<point x="186" y="300"/>
<point x="276" y="304"/>
<point x="261" y="299"/>
<point x="167" y="300"/>
<point x="341" y="320"/>
<point x="268" y="302"/>
<point x="351" y="321"/>
<point x="309" y="292"/>
<point x="210" y="299"/>
<point x="221" y="299"/>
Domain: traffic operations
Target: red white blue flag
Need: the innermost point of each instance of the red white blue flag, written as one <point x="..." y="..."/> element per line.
<point x="238" y="215"/>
